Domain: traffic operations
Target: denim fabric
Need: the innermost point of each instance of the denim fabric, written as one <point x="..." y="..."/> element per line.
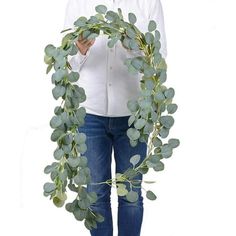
<point x="104" y="133"/>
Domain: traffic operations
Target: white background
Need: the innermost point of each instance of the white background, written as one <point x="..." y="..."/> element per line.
<point x="196" y="191"/>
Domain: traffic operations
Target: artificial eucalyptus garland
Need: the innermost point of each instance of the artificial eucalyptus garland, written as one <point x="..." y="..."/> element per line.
<point x="148" y="122"/>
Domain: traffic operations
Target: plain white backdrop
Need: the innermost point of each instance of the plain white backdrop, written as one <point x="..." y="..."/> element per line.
<point x="196" y="191"/>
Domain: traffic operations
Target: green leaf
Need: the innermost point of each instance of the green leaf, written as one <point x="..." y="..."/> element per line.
<point x="67" y="139"/>
<point x="143" y="170"/>
<point x="171" y="108"/>
<point x="80" y="178"/>
<point x="58" y="154"/>
<point x="135" y="159"/>
<point x="132" y="196"/>
<point x="81" y="21"/>
<point x="99" y="217"/>
<point x="169" y="93"/>
<point x="154" y="116"/>
<point x="92" y="196"/>
<point x="149" y="84"/>
<point x="73" y="76"/>
<point x="173" y="142"/>
<point x="99" y="16"/>
<point x="80" y="138"/>
<point x="59" y="75"/>
<point x="132" y="18"/>
<point x="55" y="122"/>
<point x="152" y="161"/>
<point x="83" y="161"/>
<point x="73" y="50"/>
<point x="137" y="63"/>
<point x="49" y="187"/>
<point x="133" y="143"/>
<point x="88" y="224"/>
<point x="58" y="110"/>
<point x="82" y="192"/>
<point x="112" y="42"/>
<point x="62" y="197"/>
<point x="159" y="166"/>
<point x="166" y="151"/>
<point x="152" y="25"/>
<point x="157" y="58"/>
<point x="140" y="123"/>
<point x="121" y="189"/>
<point x="157" y="35"/>
<point x="73" y="161"/>
<point x="164" y="132"/>
<point x="120" y="13"/>
<point x="84" y="203"/>
<point x="131" y="33"/>
<point x="133" y="134"/>
<point x="66" y="148"/>
<point x="79" y="214"/>
<point x="49" y="168"/>
<point x="82" y="148"/>
<point x="131" y="120"/>
<point x="60" y="62"/>
<point x="132" y="105"/>
<point x="111" y="16"/>
<point x="167" y="121"/>
<point x="50" y="50"/>
<point x="133" y="44"/>
<point x="156" y="142"/>
<point x="70" y="206"/>
<point x="92" y="36"/>
<point x="162" y="78"/>
<point x="56" y="134"/>
<point x="148" y="128"/>
<point x="49" y="68"/>
<point x="80" y="113"/>
<point x="101" y="9"/>
<point x="48" y="60"/>
<point x="58" y="91"/>
<point x="159" y="96"/>
<point x="149" y="71"/>
<point x="149" y="38"/>
<point x="150" y="195"/>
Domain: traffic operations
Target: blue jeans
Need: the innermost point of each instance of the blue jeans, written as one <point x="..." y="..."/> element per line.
<point x="103" y="133"/>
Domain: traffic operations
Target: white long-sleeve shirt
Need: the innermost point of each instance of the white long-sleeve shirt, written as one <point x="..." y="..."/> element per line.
<point x="107" y="82"/>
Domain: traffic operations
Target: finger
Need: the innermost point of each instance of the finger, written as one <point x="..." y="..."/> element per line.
<point x="89" y="43"/>
<point x="82" y="40"/>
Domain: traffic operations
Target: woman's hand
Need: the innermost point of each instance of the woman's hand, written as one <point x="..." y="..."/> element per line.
<point x="84" y="44"/>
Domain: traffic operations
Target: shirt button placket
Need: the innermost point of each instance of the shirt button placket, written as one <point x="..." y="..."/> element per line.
<point x="110" y="74"/>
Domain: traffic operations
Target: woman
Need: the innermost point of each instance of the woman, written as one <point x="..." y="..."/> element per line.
<point x="109" y="86"/>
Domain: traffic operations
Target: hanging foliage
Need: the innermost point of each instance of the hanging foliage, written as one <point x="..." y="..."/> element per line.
<point x="151" y="119"/>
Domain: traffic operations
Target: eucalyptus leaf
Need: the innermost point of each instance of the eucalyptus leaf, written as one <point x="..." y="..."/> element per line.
<point x="133" y="133"/>
<point x="150" y="195"/>
<point x="173" y="142"/>
<point x="171" y="108"/>
<point x="73" y="76"/>
<point x="140" y="123"/>
<point x="49" y="187"/>
<point x="101" y="9"/>
<point x="167" y="121"/>
<point x="132" y="18"/>
<point x="135" y="159"/>
<point x="132" y="196"/>
<point x="58" y="91"/>
<point x="152" y="25"/>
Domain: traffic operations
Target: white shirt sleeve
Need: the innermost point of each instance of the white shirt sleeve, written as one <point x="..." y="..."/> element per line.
<point x="156" y="14"/>
<point x="72" y="13"/>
